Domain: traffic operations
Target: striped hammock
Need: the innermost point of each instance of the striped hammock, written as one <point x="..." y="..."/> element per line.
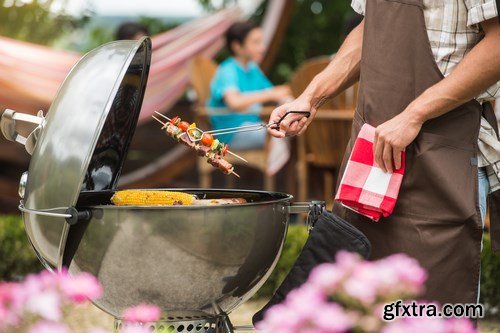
<point x="31" y="74"/>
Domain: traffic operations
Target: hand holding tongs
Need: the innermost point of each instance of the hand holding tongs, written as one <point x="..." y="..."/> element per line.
<point x="248" y="128"/>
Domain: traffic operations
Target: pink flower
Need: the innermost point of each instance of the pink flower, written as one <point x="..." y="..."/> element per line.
<point x="135" y="329"/>
<point x="347" y="261"/>
<point x="81" y="287"/>
<point x="417" y="325"/>
<point x="460" y="325"/>
<point x="142" y="313"/>
<point x="306" y="300"/>
<point x="332" y="318"/>
<point x="410" y="275"/>
<point x="49" y="327"/>
<point x="327" y="277"/>
<point x="45" y="304"/>
<point x="281" y="319"/>
<point x="360" y="290"/>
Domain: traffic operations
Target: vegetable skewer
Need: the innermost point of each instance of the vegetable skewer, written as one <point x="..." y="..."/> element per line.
<point x="196" y="134"/>
<point x="212" y="157"/>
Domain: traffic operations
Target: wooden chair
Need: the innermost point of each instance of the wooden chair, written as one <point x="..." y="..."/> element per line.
<point x="323" y="144"/>
<point x="202" y="70"/>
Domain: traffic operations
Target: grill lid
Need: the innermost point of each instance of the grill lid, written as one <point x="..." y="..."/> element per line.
<point x="89" y="126"/>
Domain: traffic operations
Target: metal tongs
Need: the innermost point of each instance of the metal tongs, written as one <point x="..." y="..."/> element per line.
<point x="248" y="128"/>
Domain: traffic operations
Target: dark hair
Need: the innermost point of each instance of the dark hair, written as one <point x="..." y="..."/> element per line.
<point x="238" y="32"/>
<point x="128" y="30"/>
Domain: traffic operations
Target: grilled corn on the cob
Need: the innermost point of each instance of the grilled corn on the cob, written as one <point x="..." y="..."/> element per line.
<point x="151" y="198"/>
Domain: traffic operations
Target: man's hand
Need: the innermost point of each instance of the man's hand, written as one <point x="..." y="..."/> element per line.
<point x="292" y="124"/>
<point x="392" y="137"/>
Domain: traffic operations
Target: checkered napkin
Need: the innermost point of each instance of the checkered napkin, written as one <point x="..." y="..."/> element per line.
<point x="365" y="188"/>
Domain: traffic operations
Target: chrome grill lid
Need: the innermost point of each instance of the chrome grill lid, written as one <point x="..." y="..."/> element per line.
<point x="85" y="137"/>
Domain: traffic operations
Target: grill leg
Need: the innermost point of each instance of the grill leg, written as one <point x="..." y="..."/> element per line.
<point x="227" y="326"/>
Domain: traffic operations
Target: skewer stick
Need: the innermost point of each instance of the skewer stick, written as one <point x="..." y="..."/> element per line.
<point x="162" y="115"/>
<point x="164" y="124"/>
<point x="158" y="120"/>
<point x="238" y="156"/>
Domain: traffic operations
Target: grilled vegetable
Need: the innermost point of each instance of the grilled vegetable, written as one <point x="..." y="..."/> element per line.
<point x="175" y="120"/>
<point x="214" y="145"/>
<point x="183" y="125"/>
<point x="151" y="198"/>
<point x="207" y="139"/>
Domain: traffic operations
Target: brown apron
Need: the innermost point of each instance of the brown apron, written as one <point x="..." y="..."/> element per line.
<point x="437" y="218"/>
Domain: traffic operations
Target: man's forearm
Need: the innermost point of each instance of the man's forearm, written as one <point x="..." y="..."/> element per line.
<point x="341" y="73"/>
<point x="478" y="70"/>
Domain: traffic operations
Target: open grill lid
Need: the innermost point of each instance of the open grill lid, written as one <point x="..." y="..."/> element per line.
<point x="89" y="125"/>
<point x="82" y="143"/>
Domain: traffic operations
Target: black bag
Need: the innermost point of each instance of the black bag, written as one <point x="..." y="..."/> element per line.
<point x="330" y="235"/>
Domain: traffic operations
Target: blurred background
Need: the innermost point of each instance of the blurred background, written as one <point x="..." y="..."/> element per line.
<point x="40" y="41"/>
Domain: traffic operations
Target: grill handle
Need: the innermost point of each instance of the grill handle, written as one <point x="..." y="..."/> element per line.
<point x="313" y="209"/>
<point x="9" y="131"/>
<point x="71" y="214"/>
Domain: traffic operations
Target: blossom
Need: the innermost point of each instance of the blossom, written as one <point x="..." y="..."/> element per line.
<point x="332" y="318"/>
<point x="327" y="277"/>
<point x="460" y="325"/>
<point x="142" y="313"/>
<point x="46" y="304"/>
<point x="350" y="295"/>
<point x="135" y="329"/>
<point x="81" y="287"/>
<point x="49" y="327"/>
<point x="429" y="325"/>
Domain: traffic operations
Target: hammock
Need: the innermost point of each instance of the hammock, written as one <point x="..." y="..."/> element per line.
<point x="31" y="74"/>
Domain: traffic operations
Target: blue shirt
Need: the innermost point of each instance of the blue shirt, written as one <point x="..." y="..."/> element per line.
<point x="231" y="75"/>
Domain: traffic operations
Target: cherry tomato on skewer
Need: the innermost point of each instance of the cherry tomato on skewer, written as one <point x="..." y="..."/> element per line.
<point x="207" y="139"/>
<point x="183" y="125"/>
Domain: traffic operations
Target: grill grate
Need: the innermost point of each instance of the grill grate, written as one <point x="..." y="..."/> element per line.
<point x="188" y="324"/>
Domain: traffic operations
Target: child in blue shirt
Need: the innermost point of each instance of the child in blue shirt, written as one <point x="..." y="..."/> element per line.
<point x="240" y="86"/>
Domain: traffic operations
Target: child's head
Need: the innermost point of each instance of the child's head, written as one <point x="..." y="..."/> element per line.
<point x="245" y="40"/>
<point x="131" y="30"/>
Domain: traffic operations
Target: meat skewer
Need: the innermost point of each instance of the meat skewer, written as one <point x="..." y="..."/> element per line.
<point x="212" y="157"/>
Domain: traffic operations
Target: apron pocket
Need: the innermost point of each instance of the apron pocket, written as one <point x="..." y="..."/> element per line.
<point x="440" y="181"/>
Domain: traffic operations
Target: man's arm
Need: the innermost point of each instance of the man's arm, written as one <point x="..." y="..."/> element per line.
<point x="478" y="70"/>
<point x="341" y="73"/>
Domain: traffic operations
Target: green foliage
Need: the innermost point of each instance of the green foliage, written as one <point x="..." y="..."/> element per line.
<point x="316" y="28"/>
<point x="490" y="279"/>
<point x="208" y="5"/>
<point x="35" y="21"/>
<point x="17" y="255"/>
<point x="295" y="240"/>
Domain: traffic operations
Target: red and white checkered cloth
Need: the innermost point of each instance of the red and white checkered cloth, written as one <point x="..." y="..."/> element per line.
<point x="364" y="187"/>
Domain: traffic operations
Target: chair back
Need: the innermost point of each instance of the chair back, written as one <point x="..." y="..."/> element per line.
<point x="201" y="72"/>
<point x="324" y="142"/>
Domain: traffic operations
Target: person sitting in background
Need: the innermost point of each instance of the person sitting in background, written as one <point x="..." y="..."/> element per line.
<point x="131" y="30"/>
<point x="240" y="86"/>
